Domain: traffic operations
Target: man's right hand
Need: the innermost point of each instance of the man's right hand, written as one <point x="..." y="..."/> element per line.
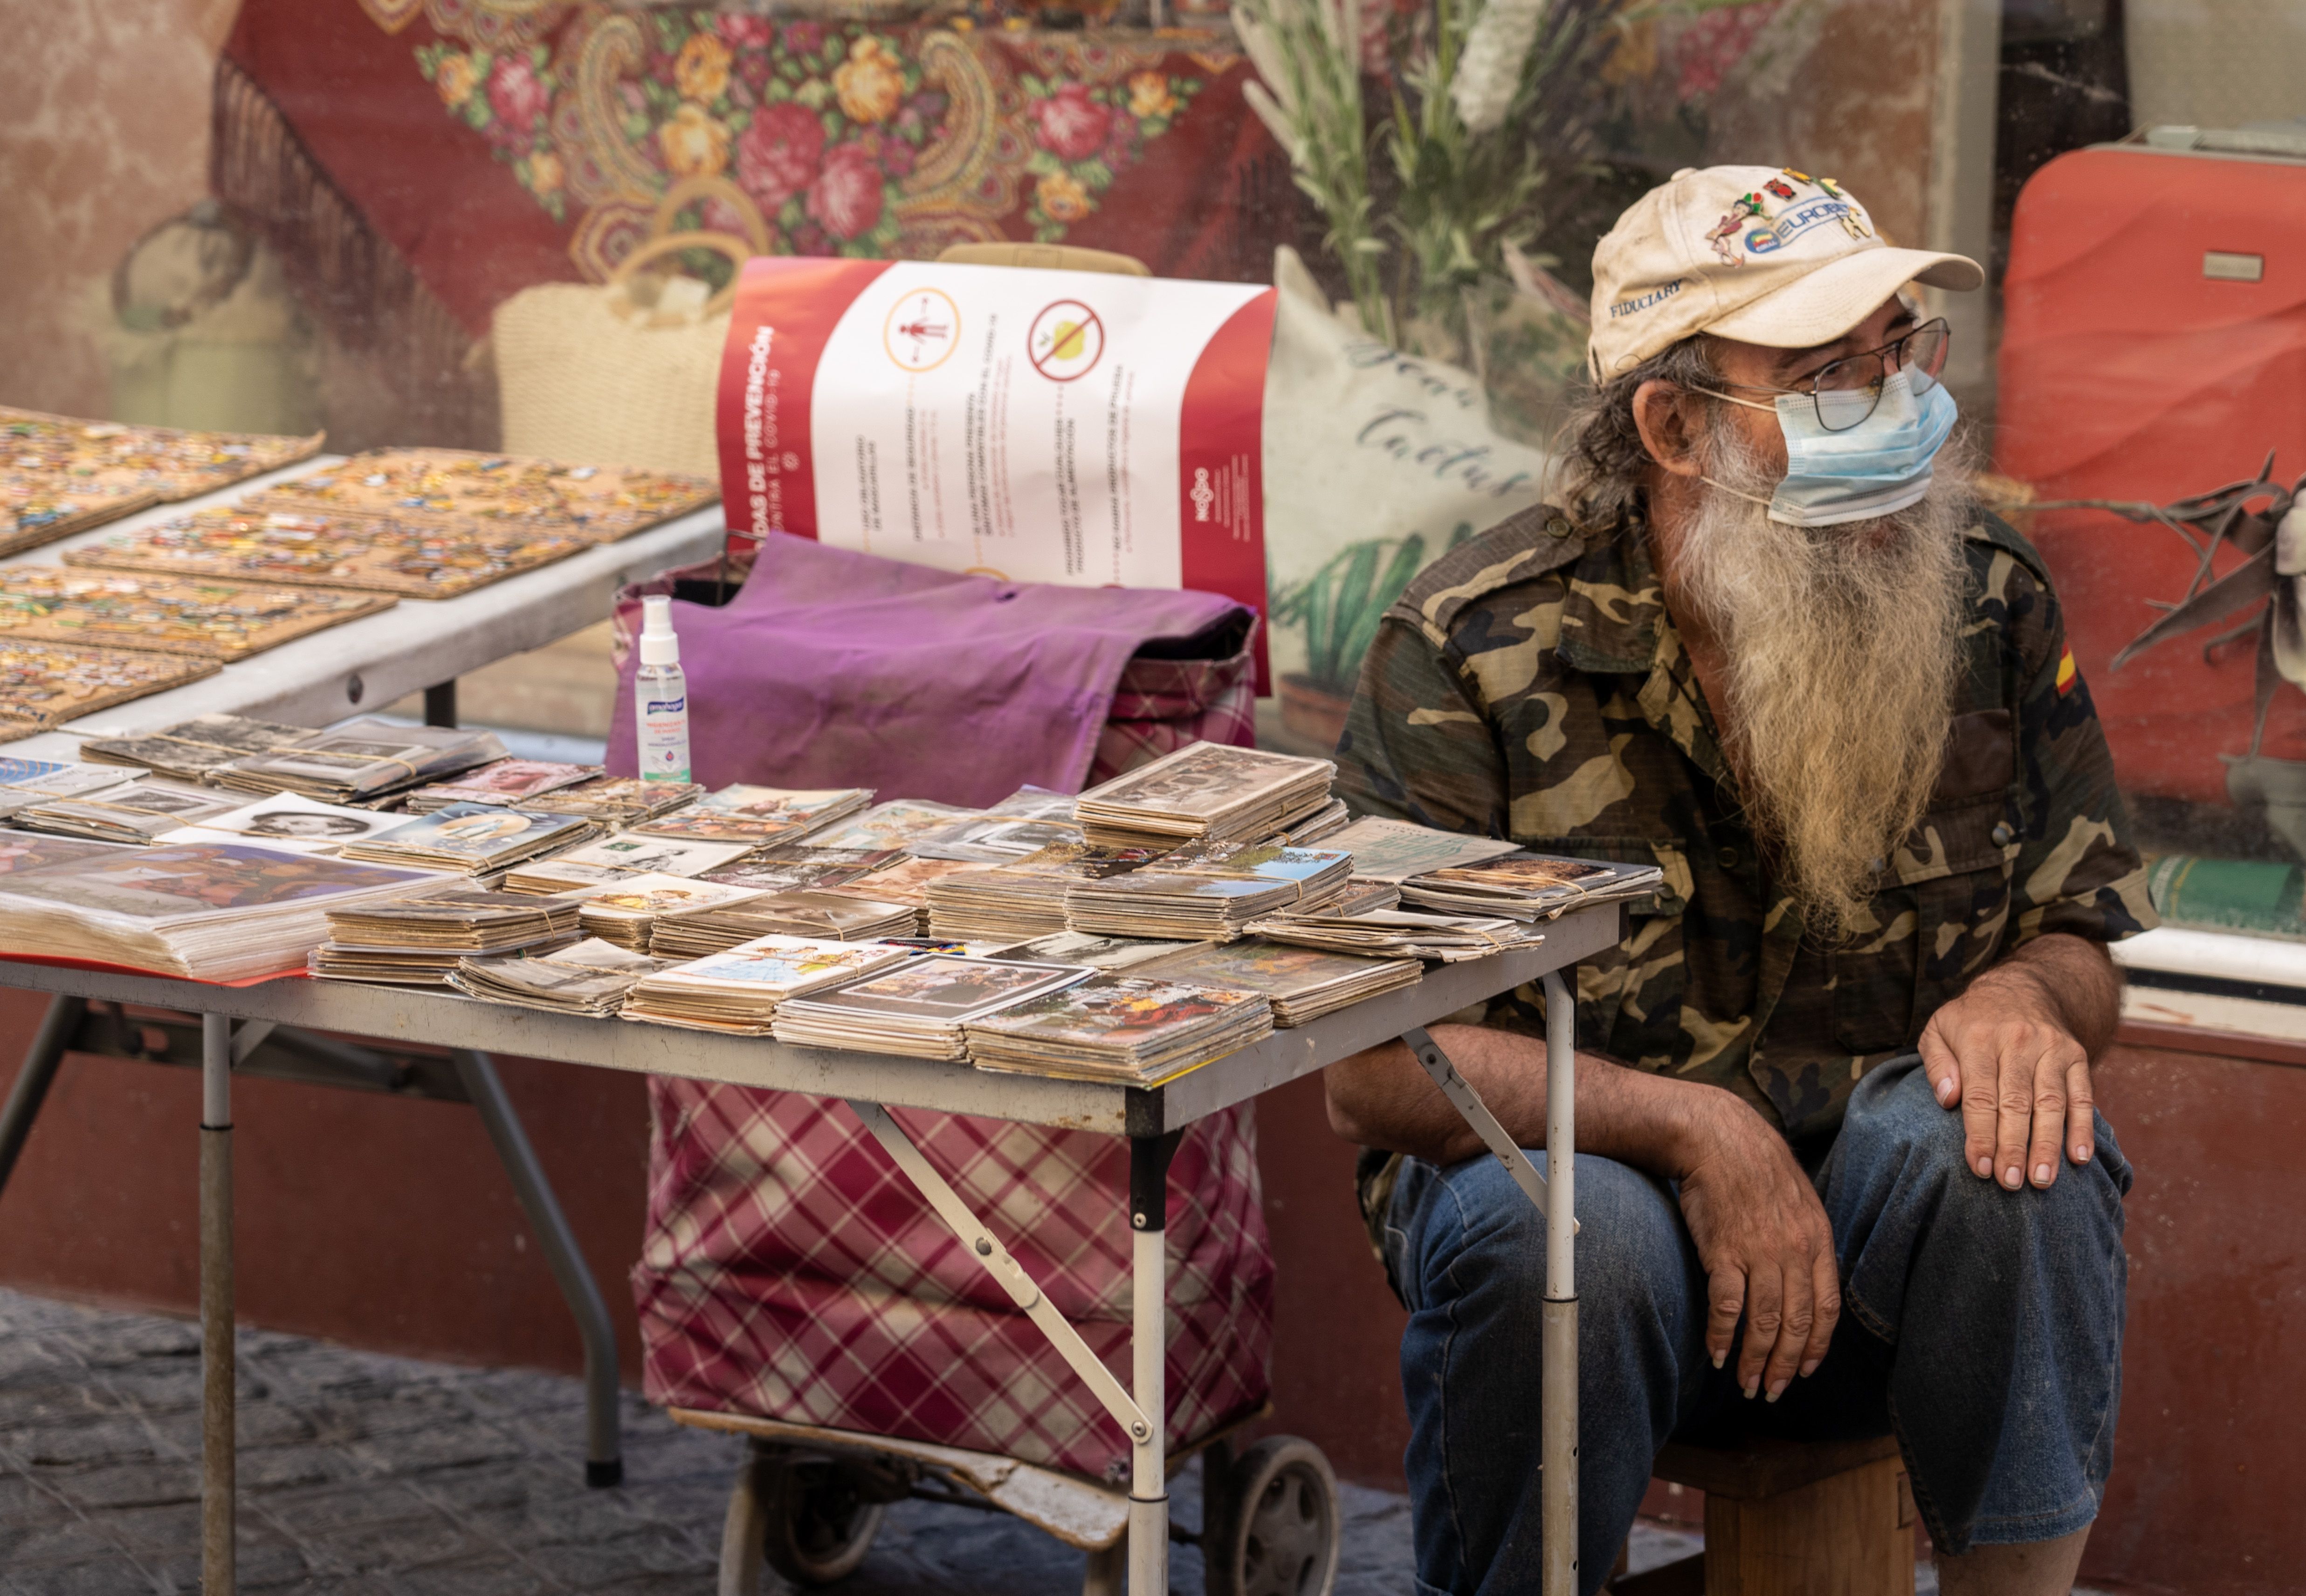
<point x="1762" y="1236"/>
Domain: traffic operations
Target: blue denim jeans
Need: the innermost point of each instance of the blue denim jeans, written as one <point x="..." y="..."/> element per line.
<point x="1982" y="1326"/>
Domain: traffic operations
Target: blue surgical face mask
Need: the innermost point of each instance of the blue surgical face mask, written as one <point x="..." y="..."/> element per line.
<point x="1878" y="466"/>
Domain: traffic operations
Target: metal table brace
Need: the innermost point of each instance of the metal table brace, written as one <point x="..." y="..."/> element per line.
<point x="477" y="1076"/>
<point x="1148" y="1167"/>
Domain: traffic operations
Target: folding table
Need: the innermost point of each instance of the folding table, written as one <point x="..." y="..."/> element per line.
<point x="234" y="1021"/>
<point x="419" y="644"/>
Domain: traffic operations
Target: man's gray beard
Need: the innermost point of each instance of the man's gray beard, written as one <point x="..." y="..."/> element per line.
<point x="1840" y="646"/>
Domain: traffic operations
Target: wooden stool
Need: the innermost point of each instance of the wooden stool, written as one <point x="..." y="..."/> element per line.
<point x="1833" y="1519"/>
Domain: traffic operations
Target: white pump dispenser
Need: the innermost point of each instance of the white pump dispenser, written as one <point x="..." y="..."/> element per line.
<point x="661" y="697"/>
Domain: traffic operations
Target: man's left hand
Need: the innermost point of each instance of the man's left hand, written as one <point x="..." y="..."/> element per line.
<point x="2005" y="1050"/>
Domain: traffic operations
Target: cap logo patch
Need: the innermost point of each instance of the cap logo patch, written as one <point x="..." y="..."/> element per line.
<point x="1852" y="220"/>
<point x="1627" y="307"/>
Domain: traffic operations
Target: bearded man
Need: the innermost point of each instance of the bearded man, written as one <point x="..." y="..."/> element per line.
<point x="1838" y="1171"/>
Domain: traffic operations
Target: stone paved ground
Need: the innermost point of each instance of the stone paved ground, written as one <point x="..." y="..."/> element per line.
<point x="364" y="1475"/>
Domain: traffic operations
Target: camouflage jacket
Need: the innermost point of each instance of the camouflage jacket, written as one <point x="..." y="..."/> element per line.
<point x="1531" y="685"/>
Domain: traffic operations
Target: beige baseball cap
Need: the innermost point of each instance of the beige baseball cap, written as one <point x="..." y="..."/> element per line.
<point x="1763" y="255"/>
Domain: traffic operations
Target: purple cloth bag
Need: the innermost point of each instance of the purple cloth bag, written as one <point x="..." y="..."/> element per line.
<point x="836" y="668"/>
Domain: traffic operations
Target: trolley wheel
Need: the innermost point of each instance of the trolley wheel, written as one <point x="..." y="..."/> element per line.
<point x="1272" y="1528"/>
<point x="811" y="1518"/>
<point x="817" y="1522"/>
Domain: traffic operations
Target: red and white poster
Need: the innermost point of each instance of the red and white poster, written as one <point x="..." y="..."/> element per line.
<point x="1036" y="426"/>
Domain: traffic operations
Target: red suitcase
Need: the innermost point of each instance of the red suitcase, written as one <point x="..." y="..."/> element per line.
<point x="2153" y="345"/>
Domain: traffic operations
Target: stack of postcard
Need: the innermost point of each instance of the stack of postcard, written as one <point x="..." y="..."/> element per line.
<point x="1206" y="891"/>
<point x="1304" y="983"/>
<point x="1323" y="824"/>
<point x="902" y="879"/>
<point x="43" y="685"/>
<point x="737" y="991"/>
<point x="210" y="911"/>
<point x="756" y="816"/>
<point x="360" y="760"/>
<point x="896" y="824"/>
<point x="797" y="867"/>
<point x="511" y="782"/>
<point x="625" y="912"/>
<point x="1205" y="789"/>
<point x="618" y="801"/>
<point x="620" y="858"/>
<point x="134" y="812"/>
<point x="1527" y="886"/>
<point x="827" y="917"/>
<point x="1395" y="850"/>
<point x="1027" y="899"/>
<point x="991" y="839"/>
<point x="24" y="782"/>
<point x="1398" y="934"/>
<point x="26" y="850"/>
<point x="189" y="749"/>
<point x="186" y="615"/>
<point x="264" y="538"/>
<point x="1140" y="1028"/>
<point x="590" y="978"/>
<point x="1163" y="903"/>
<point x="289" y="820"/>
<point x="919" y="1008"/>
<point x="1320" y="872"/>
<point x="1106" y="953"/>
<point x="477" y="839"/>
<point x="417" y="941"/>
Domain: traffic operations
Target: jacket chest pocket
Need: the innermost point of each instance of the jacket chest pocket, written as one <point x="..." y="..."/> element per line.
<point x="1945" y="907"/>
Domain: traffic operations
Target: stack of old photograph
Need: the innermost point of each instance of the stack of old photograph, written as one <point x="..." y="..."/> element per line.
<point x="1529" y="886"/>
<point x="1138" y="1028"/>
<point x="1207" y="892"/>
<point x="361" y="761"/>
<point x="821" y="916"/>
<point x="476" y="839"/>
<point x="1206" y="790"/>
<point x="1302" y="984"/>
<point x="919" y="1009"/>
<point x="211" y="911"/>
<point x="626" y="912"/>
<point x="417" y="941"/>
<point x="1010" y="902"/>
<point x="737" y="991"/>
<point x="590" y="978"/>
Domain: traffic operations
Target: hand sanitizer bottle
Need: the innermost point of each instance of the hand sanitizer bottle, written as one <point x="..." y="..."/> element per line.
<point x="661" y="697"/>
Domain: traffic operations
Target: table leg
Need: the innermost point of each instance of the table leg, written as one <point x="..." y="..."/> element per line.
<point x="1148" y="1341"/>
<point x="604" y="1453"/>
<point x="34" y="1079"/>
<point x="1555" y="1195"/>
<point x="440" y="704"/>
<point x="217" y="1383"/>
<point x="1558" y="1498"/>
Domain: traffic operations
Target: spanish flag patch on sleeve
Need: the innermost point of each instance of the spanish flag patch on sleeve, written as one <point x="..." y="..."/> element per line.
<point x="2067" y="676"/>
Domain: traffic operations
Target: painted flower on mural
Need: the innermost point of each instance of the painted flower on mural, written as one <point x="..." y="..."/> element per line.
<point x="701" y="70"/>
<point x="1149" y="94"/>
<point x="1062" y="198"/>
<point x="694" y="144"/>
<point x="1069" y="124"/>
<point x="821" y="123"/>
<point x="1084" y="134"/>
<point x="744" y="32"/>
<point x="516" y="94"/>
<point x="777" y="155"/>
<point x="455" y="78"/>
<point x="846" y="199"/>
<point x="870" y="82"/>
